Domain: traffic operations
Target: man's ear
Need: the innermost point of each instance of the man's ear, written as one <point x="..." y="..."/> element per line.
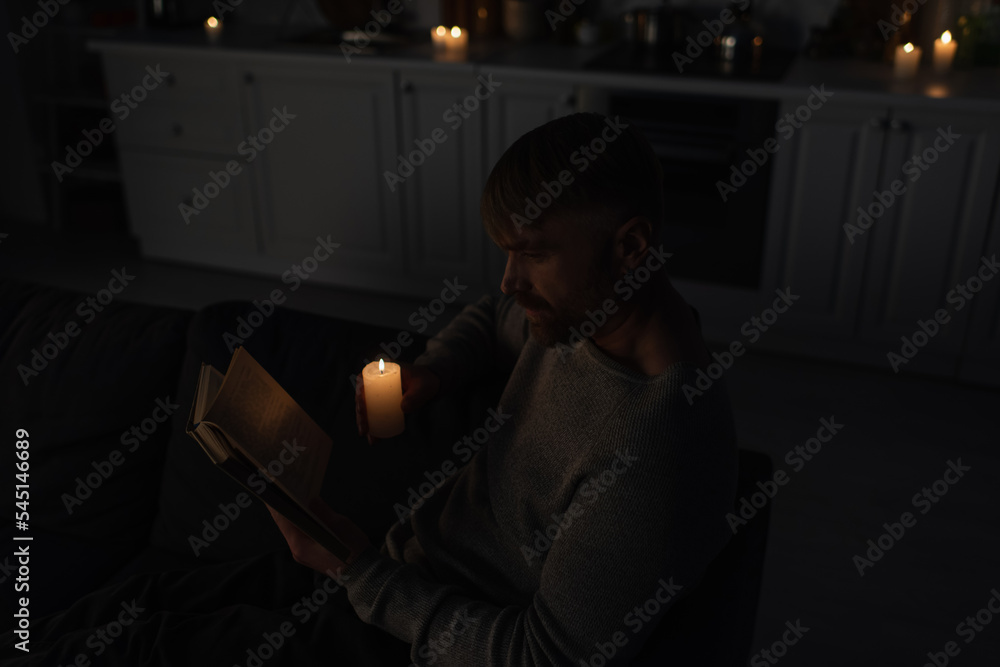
<point x="632" y="240"/>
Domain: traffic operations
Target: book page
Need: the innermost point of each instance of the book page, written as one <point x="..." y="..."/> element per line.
<point x="270" y="428"/>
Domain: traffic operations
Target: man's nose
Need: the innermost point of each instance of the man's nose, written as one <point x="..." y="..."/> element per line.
<point x="513" y="280"/>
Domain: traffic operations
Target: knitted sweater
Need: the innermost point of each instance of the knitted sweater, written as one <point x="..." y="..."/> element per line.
<point x="603" y="489"/>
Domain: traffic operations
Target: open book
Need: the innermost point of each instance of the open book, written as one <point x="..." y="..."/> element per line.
<point x="255" y="432"/>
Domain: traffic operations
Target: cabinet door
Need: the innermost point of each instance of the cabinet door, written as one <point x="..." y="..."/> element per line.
<point x="931" y="237"/>
<point x="219" y="233"/>
<point x="981" y="354"/>
<point x="444" y="235"/>
<point x="822" y="173"/>
<point x="520" y="104"/>
<point x="322" y="175"/>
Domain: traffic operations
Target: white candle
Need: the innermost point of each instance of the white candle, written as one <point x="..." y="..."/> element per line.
<point x="907" y="61"/>
<point x="452" y="42"/>
<point x="944" y="52"/>
<point x="213" y="29"/>
<point x="383" y="394"/>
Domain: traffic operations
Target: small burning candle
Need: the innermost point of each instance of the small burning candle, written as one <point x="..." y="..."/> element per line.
<point x="944" y="52"/>
<point x="907" y="61"/>
<point x="383" y="395"/>
<point x="213" y="29"/>
<point x="452" y="42"/>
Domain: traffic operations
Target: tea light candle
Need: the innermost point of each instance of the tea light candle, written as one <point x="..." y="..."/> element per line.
<point x="454" y="41"/>
<point x="944" y="52"/>
<point x="383" y="394"/>
<point x="213" y="29"/>
<point x="907" y="61"/>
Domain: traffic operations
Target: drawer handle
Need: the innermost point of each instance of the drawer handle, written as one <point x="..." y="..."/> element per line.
<point x="171" y="80"/>
<point x="177" y="129"/>
<point x="248" y="77"/>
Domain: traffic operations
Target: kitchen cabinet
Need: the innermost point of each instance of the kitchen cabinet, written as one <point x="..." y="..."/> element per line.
<point x="981" y="355"/>
<point x="866" y="279"/>
<point x="321" y="175"/>
<point x="441" y="111"/>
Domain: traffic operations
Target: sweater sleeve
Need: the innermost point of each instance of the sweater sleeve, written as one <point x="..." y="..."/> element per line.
<point x="487" y="336"/>
<point x="645" y="520"/>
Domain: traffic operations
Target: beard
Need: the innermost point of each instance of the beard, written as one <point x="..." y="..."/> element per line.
<point x="552" y="324"/>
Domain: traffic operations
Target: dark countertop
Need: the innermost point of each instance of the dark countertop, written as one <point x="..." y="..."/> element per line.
<point x="857" y="81"/>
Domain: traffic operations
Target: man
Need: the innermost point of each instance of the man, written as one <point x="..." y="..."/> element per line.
<point x="607" y="489"/>
<point x="600" y="500"/>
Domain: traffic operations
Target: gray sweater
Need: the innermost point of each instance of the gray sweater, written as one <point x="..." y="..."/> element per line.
<point x="603" y="490"/>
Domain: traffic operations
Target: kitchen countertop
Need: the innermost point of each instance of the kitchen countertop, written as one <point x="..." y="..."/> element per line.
<point x="855" y="81"/>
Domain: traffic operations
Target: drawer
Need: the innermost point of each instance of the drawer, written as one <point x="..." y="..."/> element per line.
<point x="189" y="126"/>
<point x="157" y="185"/>
<point x="171" y="79"/>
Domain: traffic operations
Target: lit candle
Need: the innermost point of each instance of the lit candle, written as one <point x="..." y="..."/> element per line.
<point x="944" y="52"/>
<point x="213" y="29"/>
<point x="907" y="61"/>
<point x="383" y="394"/>
<point x="452" y="42"/>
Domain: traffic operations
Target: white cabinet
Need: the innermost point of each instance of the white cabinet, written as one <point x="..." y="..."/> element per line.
<point x="321" y="174"/>
<point x="442" y="112"/>
<point x="866" y="279"/>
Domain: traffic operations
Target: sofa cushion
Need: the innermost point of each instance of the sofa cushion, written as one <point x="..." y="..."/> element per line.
<point x="79" y="395"/>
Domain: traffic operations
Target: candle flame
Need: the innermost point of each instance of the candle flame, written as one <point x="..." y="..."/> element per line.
<point x="212" y="22"/>
<point x="456" y="32"/>
<point x="908" y="48"/>
<point x="441" y="31"/>
<point x="381" y="366"/>
<point x="946" y="36"/>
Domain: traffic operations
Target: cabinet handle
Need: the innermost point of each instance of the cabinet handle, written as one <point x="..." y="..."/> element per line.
<point x="406" y="86"/>
<point x="177" y="129"/>
<point x="171" y="80"/>
<point x="248" y="77"/>
<point x="568" y="99"/>
<point x="896" y="124"/>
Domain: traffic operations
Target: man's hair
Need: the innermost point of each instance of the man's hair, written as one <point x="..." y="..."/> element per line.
<point x="623" y="181"/>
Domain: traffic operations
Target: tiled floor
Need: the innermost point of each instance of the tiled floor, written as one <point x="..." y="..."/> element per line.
<point x="899" y="434"/>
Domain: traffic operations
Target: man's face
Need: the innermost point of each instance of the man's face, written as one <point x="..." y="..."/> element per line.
<point x="557" y="272"/>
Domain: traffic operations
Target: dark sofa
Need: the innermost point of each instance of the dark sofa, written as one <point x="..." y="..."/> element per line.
<point x="97" y="516"/>
<point x="104" y="388"/>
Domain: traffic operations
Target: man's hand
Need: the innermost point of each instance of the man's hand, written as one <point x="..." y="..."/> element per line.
<point x="420" y="386"/>
<point x="308" y="552"/>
